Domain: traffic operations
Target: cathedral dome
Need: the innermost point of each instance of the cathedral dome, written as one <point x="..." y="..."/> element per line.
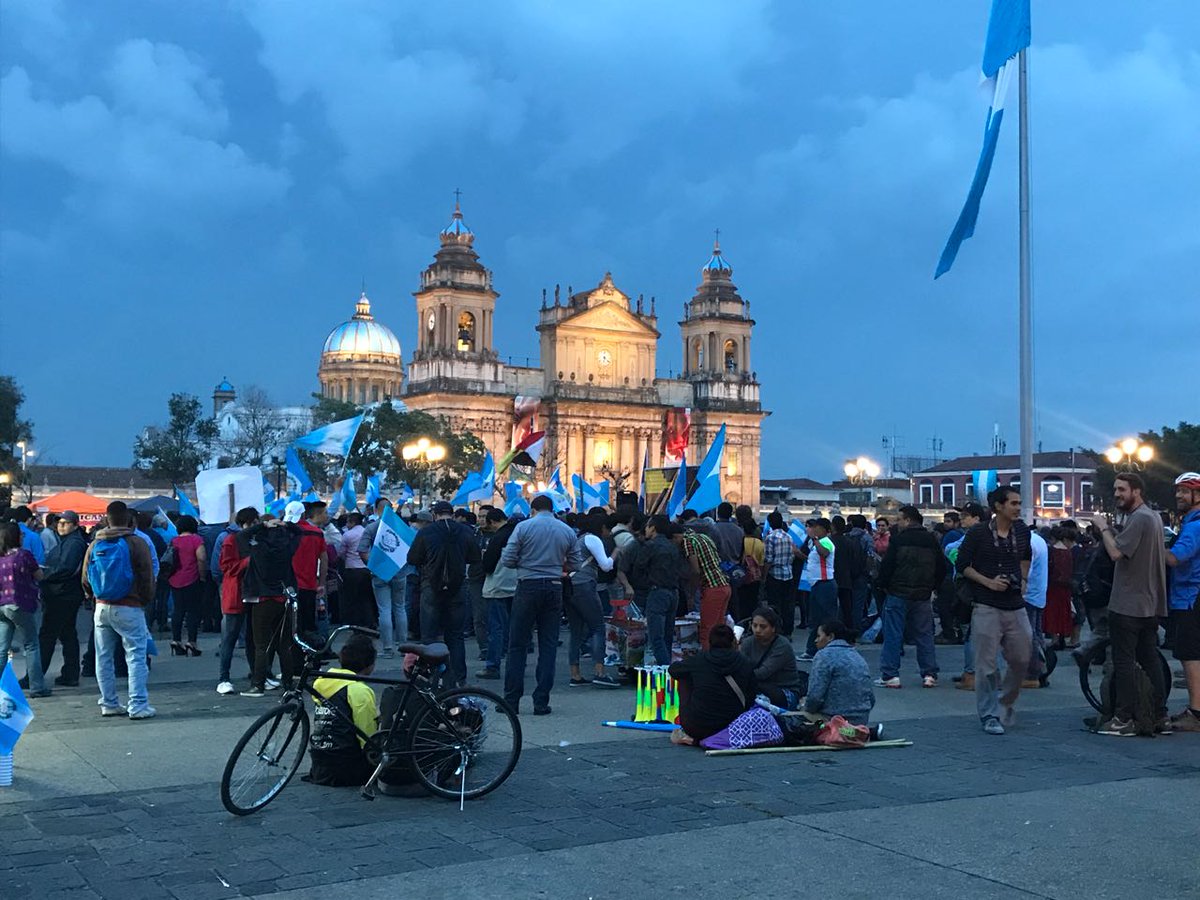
<point x="363" y="337"/>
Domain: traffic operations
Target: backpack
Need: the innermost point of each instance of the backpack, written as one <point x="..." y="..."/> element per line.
<point x="110" y="569"/>
<point x="270" y="555"/>
<point x="752" y="568"/>
<point x="449" y="568"/>
<point x="168" y="563"/>
<point x="1095" y="585"/>
<point x="735" y="573"/>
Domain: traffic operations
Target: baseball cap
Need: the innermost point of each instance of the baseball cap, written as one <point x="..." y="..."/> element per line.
<point x="423" y="515"/>
<point x="69" y="515"/>
<point x="443" y="508"/>
<point x="293" y="512"/>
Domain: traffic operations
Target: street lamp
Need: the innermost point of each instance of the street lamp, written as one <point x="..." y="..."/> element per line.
<point x="280" y="463"/>
<point x="26" y="452"/>
<point x="861" y="473"/>
<point x="1129" y="455"/>
<point x="423" y="455"/>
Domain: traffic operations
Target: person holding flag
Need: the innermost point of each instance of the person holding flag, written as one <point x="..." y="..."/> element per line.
<point x="387" y="582"/>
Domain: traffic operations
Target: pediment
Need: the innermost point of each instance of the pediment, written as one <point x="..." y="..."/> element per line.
<point x="609" y="316"/>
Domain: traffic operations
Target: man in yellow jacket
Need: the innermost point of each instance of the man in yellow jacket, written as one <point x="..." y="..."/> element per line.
<point x="344" y="719"/>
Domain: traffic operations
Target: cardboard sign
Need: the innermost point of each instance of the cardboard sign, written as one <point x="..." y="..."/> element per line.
<point x="217" y="503"/>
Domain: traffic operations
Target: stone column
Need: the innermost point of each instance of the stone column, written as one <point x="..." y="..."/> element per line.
<point x="589" y="448"/>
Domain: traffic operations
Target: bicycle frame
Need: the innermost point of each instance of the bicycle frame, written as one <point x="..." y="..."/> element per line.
<point x="311" y="670"/>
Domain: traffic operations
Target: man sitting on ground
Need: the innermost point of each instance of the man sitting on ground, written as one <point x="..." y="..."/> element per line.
<point x="344" y="719"/>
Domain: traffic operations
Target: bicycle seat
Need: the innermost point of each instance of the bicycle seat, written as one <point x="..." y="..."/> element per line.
<point x="431" y="653"/>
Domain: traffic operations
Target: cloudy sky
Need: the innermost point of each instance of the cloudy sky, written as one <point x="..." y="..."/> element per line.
<point x="197" y="190"/>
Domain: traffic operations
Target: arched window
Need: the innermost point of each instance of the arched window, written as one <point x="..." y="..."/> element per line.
<point x="698" y="352"/>
<point x="731" y="358"/>
<point x="466" y="332"/>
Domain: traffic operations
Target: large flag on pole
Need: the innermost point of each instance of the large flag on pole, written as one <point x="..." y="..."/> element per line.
<point x="15" y="714"/>
<point x="186" y="506"/>
<point x="1007" y="35"/>
<point x="514" y="499"/>
<point x="334" y="438"/>
<point x="374" y="488"/>
<point x="348" y="496"/>
<point x="642" y="487"/>
<point x="296" y="471"/>
<point x="707" y="493"/>
<point x="526" y="452"/>
<point x="478" y="486"/>
<point x="389" y="553"/>
<point x="589" y="496"/>
<point x="678" y="495"/>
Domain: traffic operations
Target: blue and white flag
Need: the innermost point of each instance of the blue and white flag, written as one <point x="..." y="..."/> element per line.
<point x="514" y="499"/>
<point x="478" y="486"/>
<point x="642" y="487"/>
<point x="15" y="714"/>
<point x="707" y="493"/>
<point x="389" y="553"/>
<point x="678" y="496"/>
<point x="169" y="530"/>
<point x="983" y="482"/>
<point x="296" y="472"/>
<point x="404" y="494"/>
<point x="557" y="492"/>
<point x="1007" y="35"/>
<point x="268" y="491"/>
<point x="348" y="496"/>
<point x="334" y="438"/>
<point x="186" y="506"/>
<point x="797" y="532"/>
<point x="311" y="497"/>
<point x="374" y="488"/>
<point x="589" y="496"/>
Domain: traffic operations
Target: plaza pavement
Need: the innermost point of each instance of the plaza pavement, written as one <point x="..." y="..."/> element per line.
<point x="121" y="809"/>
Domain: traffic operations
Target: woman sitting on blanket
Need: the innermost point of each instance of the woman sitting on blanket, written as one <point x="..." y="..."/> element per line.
<point x="840" y="681"/>
<point x="773" y="659"/>
<point x="715" y="687"/>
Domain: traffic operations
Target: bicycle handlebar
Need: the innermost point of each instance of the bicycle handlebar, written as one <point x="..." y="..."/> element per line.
<point x="320" y="651"/>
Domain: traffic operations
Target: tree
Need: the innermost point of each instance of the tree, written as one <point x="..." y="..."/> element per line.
<point x="1176" y="450"/>
<point x="259" y="429"/>
<point x="327" y="410"/>
<point x="179" y="450"/>
<point x="12" y="427"/>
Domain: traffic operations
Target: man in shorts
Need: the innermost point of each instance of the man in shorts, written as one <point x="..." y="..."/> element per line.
<point x="1183" y="562"/>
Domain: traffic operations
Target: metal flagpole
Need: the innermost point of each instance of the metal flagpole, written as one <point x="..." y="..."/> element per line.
<point x="1026" y="307"/>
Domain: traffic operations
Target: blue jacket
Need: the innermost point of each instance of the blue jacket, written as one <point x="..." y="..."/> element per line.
<point x="840" y="684"/>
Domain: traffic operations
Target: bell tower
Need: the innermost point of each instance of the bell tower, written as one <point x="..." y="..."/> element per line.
<point x="456" y="304"/>
<point x="716" y="326"/>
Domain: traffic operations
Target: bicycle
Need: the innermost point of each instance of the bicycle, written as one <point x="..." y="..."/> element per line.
<point x="465" y="735"/>
<point x="1095" y="655"/>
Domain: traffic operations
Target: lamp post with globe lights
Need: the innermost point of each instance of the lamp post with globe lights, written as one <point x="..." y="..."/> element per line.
<point x="424" y="456"/>
<point x="861" y="473"/>
<point x="1129" y="455"/>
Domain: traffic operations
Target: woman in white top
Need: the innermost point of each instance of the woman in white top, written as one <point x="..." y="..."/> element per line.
<point x="584" y="613"/>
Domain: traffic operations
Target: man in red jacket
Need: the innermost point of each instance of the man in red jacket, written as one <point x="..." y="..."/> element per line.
<point x="233" y="610"/>
<point x="308" y="562"/>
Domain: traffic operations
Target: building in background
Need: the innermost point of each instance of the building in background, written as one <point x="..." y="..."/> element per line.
<point x="597" y="393"/>
<point x="1062" y="482"/>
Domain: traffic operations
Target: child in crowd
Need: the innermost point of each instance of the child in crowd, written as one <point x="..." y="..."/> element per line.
<point x="344" y="720"/>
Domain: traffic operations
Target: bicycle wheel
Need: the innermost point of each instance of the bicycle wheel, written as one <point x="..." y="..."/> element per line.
<point x="466" y="746"/>
<point x="265" y="758"/>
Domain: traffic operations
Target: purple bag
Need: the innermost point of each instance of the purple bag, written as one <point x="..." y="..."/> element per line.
<point x="754" y="728"/>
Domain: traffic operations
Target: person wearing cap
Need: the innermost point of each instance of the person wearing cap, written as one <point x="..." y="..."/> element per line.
<point x="1183" y="564"/>
<point x="541" y="549"/>
<point x="62" y="595"/>
<point x="442" y="550"/>
<point x="308" y="564"/>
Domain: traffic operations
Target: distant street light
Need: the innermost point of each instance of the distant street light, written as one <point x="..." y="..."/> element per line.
<point x="1129" y="455"/>
<point x="423" y="455"/>
<point x="861" y="473"/>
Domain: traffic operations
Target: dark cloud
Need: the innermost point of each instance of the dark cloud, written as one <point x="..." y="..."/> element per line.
<point x="209" y="191"/>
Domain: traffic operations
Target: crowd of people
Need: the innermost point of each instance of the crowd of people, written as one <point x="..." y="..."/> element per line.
<point x="1002" y="590"/>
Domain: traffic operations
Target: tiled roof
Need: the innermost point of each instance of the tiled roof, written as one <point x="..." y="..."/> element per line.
<point x="62" y="477"/>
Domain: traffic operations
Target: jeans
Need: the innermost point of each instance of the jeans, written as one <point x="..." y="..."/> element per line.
<point x="1037" y="643"/>
<point x="231" y="628"/>
<point x="272" y="634"/>
<point x="188" y="602"/>
<point x="412" y="602"/>
<point x="60" y="624"/>
<point x="780" y="595"/>
<point x="442" y="615"/>
<point x="968" y="652"/>
<point x="160" y="615"/>
<point x="586" y="619"/>
<point x="126" y="624"/>
<point x="479" y="611"/>
<point x="714" y="603"/>
<point x="996" y="631"/>
<point x="1135" y="643"/>
<point x="860" y="595"/>
<point x="822" y="606"/>
<point x="660" y="623"/>
<point x="356" y="599"/>
<point x="538" y="602"/>
<point x="13" y="617"/>
<point x="912" y="616"/>
<point x="393" y="614"/>
<point x="499" y="610"/>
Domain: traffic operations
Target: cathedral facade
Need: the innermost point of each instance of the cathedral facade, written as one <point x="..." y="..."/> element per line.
<point x="597" y="393"/>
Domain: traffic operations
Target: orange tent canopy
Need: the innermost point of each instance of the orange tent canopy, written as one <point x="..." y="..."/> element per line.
<point x="84" y="504"/>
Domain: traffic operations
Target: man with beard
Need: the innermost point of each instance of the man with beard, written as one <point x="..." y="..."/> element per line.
<point x="1139" y="599"/>
<point x="1184" y="561"/>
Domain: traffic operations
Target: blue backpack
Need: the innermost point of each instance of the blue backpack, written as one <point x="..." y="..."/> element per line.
<point x="110" y="570"/>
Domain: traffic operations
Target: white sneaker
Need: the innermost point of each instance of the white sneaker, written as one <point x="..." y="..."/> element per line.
<point x="272" y="684"/>
<point x="146" y="712"/>
<point x="112" y="711"/>
<point x="226" y="687"/>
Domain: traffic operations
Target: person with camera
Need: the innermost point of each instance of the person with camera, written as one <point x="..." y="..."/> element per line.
<point x="995" y="557"/>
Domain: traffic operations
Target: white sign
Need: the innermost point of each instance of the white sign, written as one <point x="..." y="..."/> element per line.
<point x="212" y="492"/>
